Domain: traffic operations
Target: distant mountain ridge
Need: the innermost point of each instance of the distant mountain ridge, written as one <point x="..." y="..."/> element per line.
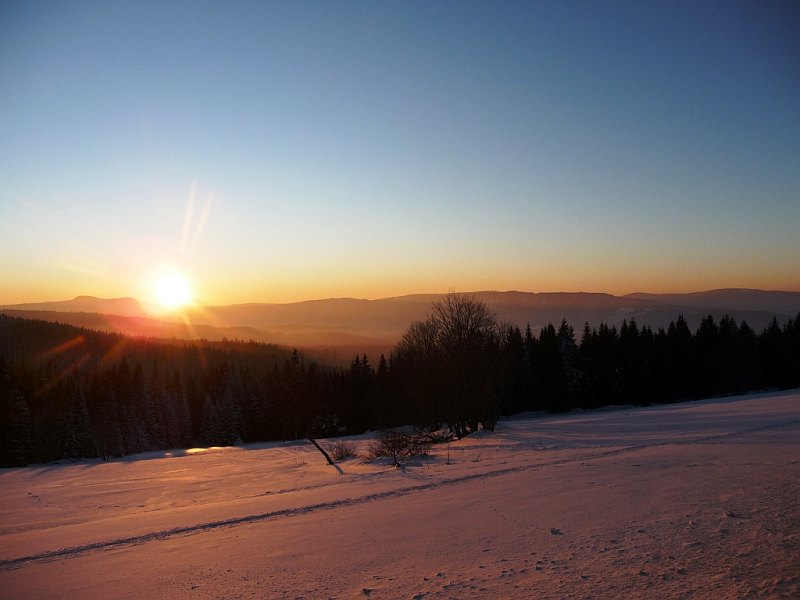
<point x="126" y="307"/>
<point x="354" y="323"/>
<point x="731" y="298"/>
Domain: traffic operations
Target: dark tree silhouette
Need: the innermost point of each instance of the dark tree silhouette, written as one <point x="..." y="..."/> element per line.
<point x="455" y="351"/>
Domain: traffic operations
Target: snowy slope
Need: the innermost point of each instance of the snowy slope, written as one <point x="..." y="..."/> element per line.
<point x="698" y="499"/>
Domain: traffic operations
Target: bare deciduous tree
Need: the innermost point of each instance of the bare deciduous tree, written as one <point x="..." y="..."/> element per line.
<point x="453" y="354"/>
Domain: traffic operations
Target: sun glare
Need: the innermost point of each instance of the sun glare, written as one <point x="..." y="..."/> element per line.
<point x="173" y="290"/>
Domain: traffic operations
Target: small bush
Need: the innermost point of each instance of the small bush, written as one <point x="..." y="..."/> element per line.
<point x="343" y="450"/>
<point x="399" y="445"/>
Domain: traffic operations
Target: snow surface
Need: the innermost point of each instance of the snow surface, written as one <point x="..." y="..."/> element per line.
<point x="686" y="500"/>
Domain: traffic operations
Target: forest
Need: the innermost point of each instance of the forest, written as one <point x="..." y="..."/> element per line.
<point x="72" y="393"/>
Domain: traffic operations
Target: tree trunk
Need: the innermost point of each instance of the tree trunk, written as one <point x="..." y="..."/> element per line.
<point x="321" y="449"/>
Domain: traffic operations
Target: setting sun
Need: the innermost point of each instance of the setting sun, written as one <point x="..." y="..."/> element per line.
<point x="173" y="290"/>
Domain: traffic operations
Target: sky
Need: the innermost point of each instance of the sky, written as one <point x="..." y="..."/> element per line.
<point x="283" y="151"/>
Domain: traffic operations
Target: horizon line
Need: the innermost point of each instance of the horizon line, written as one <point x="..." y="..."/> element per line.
<point x="394" y="297"/>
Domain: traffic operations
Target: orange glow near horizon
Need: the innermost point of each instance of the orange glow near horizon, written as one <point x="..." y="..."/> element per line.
<point x="170" y="292"/>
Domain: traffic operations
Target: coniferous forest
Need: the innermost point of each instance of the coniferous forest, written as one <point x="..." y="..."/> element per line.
<point x="69" y="393"/>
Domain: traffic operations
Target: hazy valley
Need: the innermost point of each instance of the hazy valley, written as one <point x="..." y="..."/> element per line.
<point x="343" y="327"/>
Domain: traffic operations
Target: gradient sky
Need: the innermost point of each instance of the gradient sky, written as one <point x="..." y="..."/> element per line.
<point x="294" y="150"/>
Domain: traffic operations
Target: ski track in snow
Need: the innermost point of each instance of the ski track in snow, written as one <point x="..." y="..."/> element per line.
<point x="74" y="551"/>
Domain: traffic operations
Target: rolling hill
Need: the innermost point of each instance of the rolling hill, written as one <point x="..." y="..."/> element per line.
<point x="358" y="325"/>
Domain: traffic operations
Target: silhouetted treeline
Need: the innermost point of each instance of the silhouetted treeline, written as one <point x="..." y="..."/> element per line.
<point x="501" y="370"/>
<point x="67" y="392"/>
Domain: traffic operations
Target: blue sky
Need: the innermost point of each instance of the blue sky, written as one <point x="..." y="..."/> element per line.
<point x="291" y="150"/>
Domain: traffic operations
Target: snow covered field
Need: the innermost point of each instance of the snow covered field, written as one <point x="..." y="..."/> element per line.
<point x="687" y="500"/>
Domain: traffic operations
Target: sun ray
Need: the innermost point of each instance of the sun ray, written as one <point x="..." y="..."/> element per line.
<point x="201" y="223"/>
<point x="187" y="218"/>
